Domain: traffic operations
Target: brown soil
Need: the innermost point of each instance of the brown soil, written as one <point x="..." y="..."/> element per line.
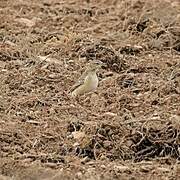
<point x="128" y="129"/>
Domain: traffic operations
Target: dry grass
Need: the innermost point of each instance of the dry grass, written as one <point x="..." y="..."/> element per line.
<point x="128" y="128"/>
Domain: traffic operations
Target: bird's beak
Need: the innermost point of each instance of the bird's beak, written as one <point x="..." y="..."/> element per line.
<point x="100" y="64"/>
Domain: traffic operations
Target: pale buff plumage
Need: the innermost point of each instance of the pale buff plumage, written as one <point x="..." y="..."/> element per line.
<point x="88" y="81"/>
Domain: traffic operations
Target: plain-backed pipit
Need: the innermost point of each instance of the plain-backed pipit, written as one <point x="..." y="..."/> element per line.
<point x="88" y="81"/>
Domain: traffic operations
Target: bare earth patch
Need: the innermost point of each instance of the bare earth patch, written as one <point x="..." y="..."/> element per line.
<point x="128" y="129"/>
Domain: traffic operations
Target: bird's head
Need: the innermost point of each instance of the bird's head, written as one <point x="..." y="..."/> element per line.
<point x="95" y="65"/>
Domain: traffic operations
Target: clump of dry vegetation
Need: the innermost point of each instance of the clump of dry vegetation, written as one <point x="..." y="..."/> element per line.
<point x="130" y="127"/>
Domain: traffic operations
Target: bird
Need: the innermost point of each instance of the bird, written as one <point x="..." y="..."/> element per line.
<point x="88" y="81"/>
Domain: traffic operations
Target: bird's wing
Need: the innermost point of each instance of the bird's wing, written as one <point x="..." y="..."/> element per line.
<point x="80" y="81"/>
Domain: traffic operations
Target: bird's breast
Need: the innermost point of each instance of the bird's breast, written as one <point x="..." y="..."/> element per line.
<point x="92" y="82"/>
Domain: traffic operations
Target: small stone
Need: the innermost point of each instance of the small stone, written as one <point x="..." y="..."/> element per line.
<point x="85" y="160"/>
<point x="25" y="21"/>
<point x="146" y="168"/>
<point x="121" y="168"/>
<point x="79" y="174"/>
<point x="50" y="165"/>
<point x="107" y="144"/>
<point x="110" y="114"/>
<point x="138" y="47"/>
<point x="5" y="177"/>
<point x="76" y="144"/>
<point x="53" y="76"/>
<point x="103" y="166"/>
<point x="165" y="170"/>
<point x="108" y="74"/>
<point x="78" y="135"/>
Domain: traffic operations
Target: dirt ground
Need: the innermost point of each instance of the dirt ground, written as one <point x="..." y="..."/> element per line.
<point x="128" y="129"/>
